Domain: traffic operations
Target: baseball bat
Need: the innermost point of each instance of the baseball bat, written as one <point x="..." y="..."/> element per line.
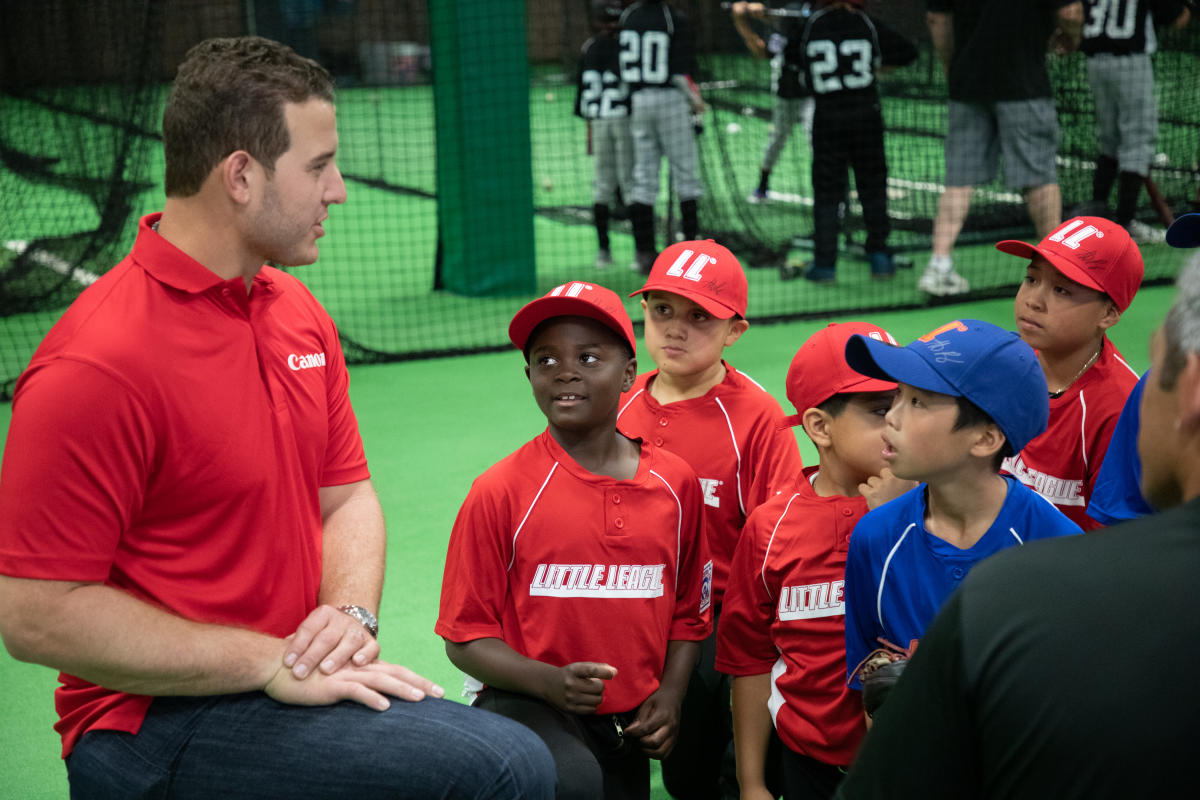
<point x="771" y="12"/>
<point x="1158" y="202"/>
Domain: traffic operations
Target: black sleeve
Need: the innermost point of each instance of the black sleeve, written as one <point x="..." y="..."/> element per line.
<point x="683" y="47"/>
<point x="940" y="6"/>
<point x="921" y="743"/>
<point x="579" y="79"/>
<point x="1165" y="12"/>
<point x="896" y="50"/>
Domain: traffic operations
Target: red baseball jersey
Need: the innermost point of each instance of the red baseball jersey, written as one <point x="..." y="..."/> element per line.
<point x="731" y="438"/>
<point x="565" y="565"/>
<point x="1062" y="464"/>
<point x="784" y="614"/>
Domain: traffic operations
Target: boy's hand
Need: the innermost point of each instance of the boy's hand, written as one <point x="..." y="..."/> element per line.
<point x="579" y="687"/>
<point x="883" y="487"/>
<point x="656" y="725"/>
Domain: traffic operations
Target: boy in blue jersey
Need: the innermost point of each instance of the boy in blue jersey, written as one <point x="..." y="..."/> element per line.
<point x="969" y="394"/>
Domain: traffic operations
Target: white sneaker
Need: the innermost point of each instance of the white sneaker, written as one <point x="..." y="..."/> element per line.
<point x="1142" y="233"/>
<point x="603" y="259"/>
<point x="942" y="283"/>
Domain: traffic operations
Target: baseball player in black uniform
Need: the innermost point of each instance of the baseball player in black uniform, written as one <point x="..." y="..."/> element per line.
<point x="602" y="99"/>
<point x="793" y="100"/>
<point x="840" y="47"/>
<point x="1118" y="38"/>
<point x="658" y="56"/>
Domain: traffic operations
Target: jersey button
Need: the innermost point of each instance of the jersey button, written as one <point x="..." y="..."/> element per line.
<point x="620" y="523"/>
<point x="846" y="512"/>
<point x="662" y="421"/>
<point x="957" y="572"/>
<point x="658" y="440"/>
<point x="617" y="499"/>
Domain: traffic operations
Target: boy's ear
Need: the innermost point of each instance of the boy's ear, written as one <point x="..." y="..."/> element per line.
<point x="816" y="425"/>
<point x="1112" y="315"/>
<point x="736" y="328"/>
<point x="527" y="372"/>
<point x="988" y="441"/>
<point x="629" y="377"/>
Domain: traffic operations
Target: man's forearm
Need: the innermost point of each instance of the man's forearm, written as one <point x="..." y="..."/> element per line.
<point x="107" y="637"/>
<point x="353" y="547"/>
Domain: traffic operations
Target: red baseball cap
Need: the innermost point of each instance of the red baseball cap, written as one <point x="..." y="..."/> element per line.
<point x="573" y="299"/>
<point x="819" y="369"/>
<point x="1091" y="251"/>
<point x="705" y="273"/>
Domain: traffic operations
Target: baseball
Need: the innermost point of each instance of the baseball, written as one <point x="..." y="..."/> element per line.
<point x="547" y="184"/>
<point x="733" y="127"/>
<point x="747" y="111"/>
<point x="549" y="97"/>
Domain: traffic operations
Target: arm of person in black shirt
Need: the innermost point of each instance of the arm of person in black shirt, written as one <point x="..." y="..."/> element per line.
<point x="1070" y="28"/>
<point x="921" y="744"/>
<point x="941" y="31"/>
<point x="895" y="49"/>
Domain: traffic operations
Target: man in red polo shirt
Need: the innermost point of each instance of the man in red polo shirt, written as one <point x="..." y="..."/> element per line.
<point x="187" y="526"/>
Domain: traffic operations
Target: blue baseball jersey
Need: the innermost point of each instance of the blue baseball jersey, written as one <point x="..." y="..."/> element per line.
<point x="898" y="574"/>
<point x="1117" y="495"/>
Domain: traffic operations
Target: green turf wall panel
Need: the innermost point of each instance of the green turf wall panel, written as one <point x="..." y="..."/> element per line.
<point x="484" y="173"/>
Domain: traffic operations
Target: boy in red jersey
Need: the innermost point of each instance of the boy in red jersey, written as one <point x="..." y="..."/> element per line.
<point x="577" y="580"/>
<point x="782" y="634"/>
<point x="1079" y="281"/>
<point x="725" y="426"/>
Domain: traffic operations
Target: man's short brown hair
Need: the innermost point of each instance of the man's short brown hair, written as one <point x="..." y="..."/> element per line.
<point x="229" y="95"/>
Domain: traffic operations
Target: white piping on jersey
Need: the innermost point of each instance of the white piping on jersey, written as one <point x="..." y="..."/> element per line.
<point x="763" y="571"/>
<point x="776" y="700"/>
<point x="678" y="522"/>
<point x="1083" y="429"/>
<point x="631" y="399"/>
<point x="883" y="573"/>
<point x="737" y="454"/>
<point x="666" y="15"/>
<point x="1016" y="535"/>
<point x="529" y="511"/>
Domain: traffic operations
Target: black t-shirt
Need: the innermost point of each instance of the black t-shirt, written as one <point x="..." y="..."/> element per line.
<point x="1058" y="670"/>
<point x="840" y="49"/>
<point x="1000" y="48"/>
<point x="656" y="43"/>
<point x="1122" y="27"/>
<point x="600" y="93"/>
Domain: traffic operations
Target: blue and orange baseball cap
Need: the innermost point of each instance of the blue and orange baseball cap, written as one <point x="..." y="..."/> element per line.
<point x="705" y="273"/>
<point x="819" y="369"/>
<point x="1092" y="251"/>
<point x="968" y="358"/>
<point x="573" y="299"/>
<point x="1184" y="231"/>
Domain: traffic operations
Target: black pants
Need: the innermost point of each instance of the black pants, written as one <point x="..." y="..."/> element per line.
<point x="703" y="751"/>
<point x="848" y="137"/>
<point x="805" y="778"/>
<point x="590" y="759"/>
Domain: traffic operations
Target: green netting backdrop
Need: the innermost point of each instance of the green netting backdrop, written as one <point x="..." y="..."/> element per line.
<point x="451" y="165"/>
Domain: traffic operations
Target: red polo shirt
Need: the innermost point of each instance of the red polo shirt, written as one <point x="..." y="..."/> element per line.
<point x="168" y="439"/>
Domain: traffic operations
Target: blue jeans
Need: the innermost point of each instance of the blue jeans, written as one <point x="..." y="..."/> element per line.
<point x="248" y="745"/>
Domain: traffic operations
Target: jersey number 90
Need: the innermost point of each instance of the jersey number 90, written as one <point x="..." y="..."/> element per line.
<point x="644" y="57"/>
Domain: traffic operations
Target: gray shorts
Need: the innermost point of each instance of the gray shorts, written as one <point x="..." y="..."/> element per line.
<point x="1024" y="132"/>
<point x="1126" y="111"/>
<point x="612" y="147"/>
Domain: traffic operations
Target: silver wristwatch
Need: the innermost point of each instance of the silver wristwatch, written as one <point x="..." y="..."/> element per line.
<point x="364" y="617"/>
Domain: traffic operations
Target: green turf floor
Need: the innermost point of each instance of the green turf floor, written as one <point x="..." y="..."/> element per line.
<point x="430" y="427"/>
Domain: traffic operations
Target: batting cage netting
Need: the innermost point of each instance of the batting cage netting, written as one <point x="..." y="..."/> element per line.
<point x="470" y="175"/>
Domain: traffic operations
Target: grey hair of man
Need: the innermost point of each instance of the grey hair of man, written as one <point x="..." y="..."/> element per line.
<point x="1181" y="330"/>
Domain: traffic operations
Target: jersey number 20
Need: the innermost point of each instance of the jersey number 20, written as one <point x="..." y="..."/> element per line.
<point x="644" y="57"/>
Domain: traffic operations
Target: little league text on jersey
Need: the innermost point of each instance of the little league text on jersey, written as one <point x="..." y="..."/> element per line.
<point x="598" y="580"/>
<point x="1060" y="491"/>
<point x="813" y="600"/>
